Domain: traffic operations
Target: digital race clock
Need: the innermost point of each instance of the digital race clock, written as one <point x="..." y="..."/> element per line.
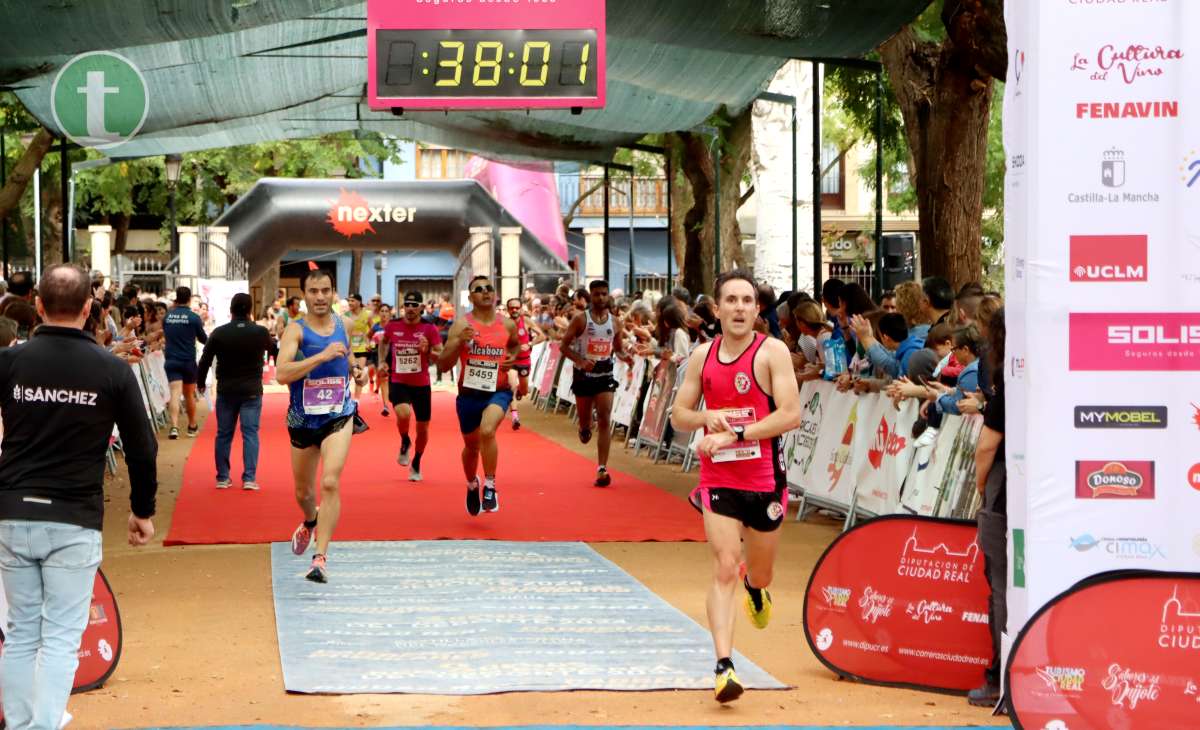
<point x="485" y="54"/>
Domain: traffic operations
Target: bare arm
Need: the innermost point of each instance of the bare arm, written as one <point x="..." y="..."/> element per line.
<point x="985" y="455"/>
<point x="454" y="343"/>
<point x="684" y="414"/>
<point x="288" y="369"/>
<point x="574" y="330"/>
<point x="785" y="392"/>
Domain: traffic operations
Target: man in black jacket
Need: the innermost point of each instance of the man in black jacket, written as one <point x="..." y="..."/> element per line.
<point x="239" y="347"/>
<point x="60" y="395"/>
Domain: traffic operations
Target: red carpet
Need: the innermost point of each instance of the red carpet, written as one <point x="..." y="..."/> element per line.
<point x="546" y="491"/>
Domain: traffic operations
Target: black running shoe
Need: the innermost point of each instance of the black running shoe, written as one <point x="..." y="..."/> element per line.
<point x="473" y="498"/>
<point x="585" y="435"/>
<point x="491" y="501"/>
<point x="317" y="573"/>
<point x="602" y="478"/>
<point x="192" y="431"/>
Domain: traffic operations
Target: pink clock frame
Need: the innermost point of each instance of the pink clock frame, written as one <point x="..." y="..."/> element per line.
<point x="485" y="15"/>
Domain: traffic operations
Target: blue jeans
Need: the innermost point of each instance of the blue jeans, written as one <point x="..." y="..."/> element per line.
<point x="229" y="411"/>
<point x="48" y="569"/>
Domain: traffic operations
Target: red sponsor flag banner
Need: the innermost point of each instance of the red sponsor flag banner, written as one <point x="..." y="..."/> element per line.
<point x="902" y="600"/>
<point x="1144" y="674"/>
<point x="100" y="647"/>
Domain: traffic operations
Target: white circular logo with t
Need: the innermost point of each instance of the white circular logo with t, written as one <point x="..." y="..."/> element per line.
<point x="99" y="99"/>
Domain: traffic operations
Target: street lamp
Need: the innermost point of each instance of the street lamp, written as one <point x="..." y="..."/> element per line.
<point x="174" y="165"/>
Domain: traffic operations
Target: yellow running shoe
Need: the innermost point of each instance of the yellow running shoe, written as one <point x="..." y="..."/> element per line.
<point x="761" y="617"/>
<point x="728" y="688"/>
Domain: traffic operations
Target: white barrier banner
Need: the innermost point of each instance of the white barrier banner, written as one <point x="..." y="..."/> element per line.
<point x="881" y="473"/>
<point x="829" y="476"/>
<point x="629" y="387"/>
<point x="923" y="485"/>
<point x="565" y="377"/>
<point x="537" y="357"/>
<point x="800" y="445"/>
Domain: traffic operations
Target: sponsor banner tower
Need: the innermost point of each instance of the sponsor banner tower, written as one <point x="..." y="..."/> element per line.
<point x="1102" y="235"/>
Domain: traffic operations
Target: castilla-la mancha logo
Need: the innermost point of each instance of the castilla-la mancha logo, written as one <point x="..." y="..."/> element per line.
<point x="351" y="215"/>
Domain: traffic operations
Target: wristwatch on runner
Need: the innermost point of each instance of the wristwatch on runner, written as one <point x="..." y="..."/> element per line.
<point x="740" y="432"/>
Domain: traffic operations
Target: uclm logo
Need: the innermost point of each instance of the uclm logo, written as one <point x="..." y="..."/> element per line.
<point x="1108" y="258"/>
<point x="1130" y="342"/>
<point x="351" y="215"/>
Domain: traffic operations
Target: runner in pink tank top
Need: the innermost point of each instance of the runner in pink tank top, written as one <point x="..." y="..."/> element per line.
<point x="750" y="399"/>
<point x="484" y="345"/>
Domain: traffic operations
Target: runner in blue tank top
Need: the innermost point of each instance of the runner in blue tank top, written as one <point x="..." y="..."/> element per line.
<point x="314" y="362"/>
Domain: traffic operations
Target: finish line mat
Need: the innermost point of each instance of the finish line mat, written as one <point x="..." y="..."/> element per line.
<point x="481" y="617"/>
<point x="546" y="491"/>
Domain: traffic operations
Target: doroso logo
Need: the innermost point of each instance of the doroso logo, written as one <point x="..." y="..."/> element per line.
<point x="1114" y="480"/>
<point x="1108" y="258"/>
<point x="1103" y="341"/>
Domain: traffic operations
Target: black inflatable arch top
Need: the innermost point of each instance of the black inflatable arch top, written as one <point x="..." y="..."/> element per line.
<point x="285" y="214"/>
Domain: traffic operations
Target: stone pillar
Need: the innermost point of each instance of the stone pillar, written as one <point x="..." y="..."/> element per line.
<point x="189" y="257"/>
<point x="510" y="263"/>
<point x="593" y="255"/>
<point x="218" y="262"/>
<point x="480" y="259"/>
<point x="101" y="237"/>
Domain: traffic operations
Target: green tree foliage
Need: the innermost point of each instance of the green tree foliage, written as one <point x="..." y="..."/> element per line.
<point x="849" y="119"/>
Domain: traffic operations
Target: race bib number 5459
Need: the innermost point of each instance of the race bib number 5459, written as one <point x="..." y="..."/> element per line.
<point x="481" y="375"/>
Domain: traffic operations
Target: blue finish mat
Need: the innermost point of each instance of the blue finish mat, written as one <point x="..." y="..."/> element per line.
<point x="481" y="617"/>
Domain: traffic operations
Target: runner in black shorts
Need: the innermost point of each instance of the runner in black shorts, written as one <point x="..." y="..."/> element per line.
<point x="750" y="399"/>
<point x="407" y="349"/>
<point x="528" y="335"/>
<point x="591" y="340"/>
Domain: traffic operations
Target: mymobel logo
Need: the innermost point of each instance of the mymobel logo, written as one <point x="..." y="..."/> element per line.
<point x="99" y="99"/>
<point x="1120" y="417"/>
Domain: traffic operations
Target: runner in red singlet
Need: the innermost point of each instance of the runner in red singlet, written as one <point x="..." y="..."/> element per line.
<point x="406" y="350"/>
<point x="750" y="399"/>
<point x="485" y="346"/>
<point x="528" y="335"/>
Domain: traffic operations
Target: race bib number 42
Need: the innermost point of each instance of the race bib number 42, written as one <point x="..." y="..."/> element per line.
<point x="323" y="395"/>
<point x="739" y="451"/>
<point x="481" y="375"/>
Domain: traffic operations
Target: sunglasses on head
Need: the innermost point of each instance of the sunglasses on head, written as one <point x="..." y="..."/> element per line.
<point x="483" y="288"/>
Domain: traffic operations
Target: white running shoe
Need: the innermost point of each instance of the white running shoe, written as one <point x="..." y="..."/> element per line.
<point x="415" y="476"/>
<point x="402" y="459"/>
<point x="224" y="483"/>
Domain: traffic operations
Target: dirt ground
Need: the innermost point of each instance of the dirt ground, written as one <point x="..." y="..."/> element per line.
<point x="200" y="646"/>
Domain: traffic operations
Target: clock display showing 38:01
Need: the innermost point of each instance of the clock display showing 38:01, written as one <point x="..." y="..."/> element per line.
<point x="486" y="63"/>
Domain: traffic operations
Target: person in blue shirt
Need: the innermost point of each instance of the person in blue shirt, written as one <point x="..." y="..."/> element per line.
<point x="967" y="343"/>
<point x="182" y="328"/>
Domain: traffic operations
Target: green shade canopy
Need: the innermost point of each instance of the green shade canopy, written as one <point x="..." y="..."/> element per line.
<point x="231" y="72"/>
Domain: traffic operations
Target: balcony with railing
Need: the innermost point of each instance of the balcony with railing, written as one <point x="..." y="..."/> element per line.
<point x="649" y="195"/>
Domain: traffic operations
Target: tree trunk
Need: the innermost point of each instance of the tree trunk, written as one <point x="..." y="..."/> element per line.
<point x="264" y="289"/>
<point x="52" y="227"/>
<point x="699" y="268"/>
<point x="945" y="101"/>
<point x="681" y="203"/>
<point x="355" y="285"/>
<point x="120" y="223"/>
<point x="20" y="176"/>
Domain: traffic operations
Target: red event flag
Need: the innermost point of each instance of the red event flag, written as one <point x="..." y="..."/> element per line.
<point x="1117" y="650"/>
<point x="902" y="600"/>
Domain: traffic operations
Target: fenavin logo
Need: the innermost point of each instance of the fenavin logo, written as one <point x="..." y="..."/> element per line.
<point x="99" y="99"/>
<point x="1120" y="417"/>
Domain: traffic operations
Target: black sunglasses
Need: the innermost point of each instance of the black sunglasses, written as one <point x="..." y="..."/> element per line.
<point x="412" y="304"/>
<point x="483" y="288"/>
